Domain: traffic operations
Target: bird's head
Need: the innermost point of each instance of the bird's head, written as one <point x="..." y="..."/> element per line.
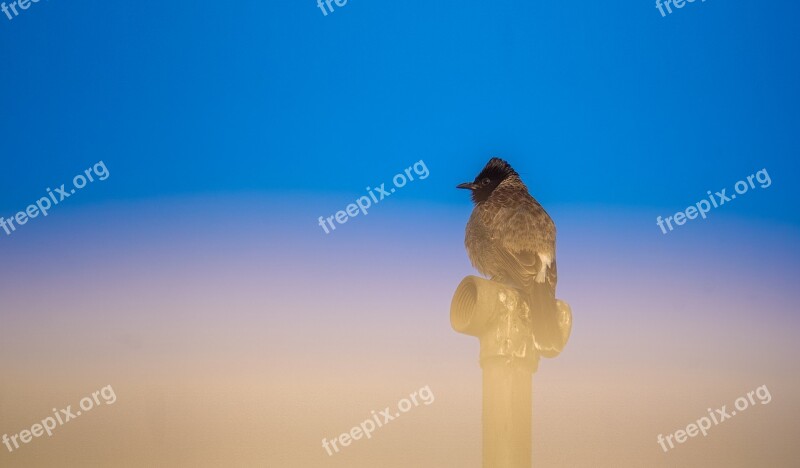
<point x="495" y="171"/>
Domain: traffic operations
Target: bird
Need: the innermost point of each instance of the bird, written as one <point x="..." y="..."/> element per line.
<point x="511" y="239"/>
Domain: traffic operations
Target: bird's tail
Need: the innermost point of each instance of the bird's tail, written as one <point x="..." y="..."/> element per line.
<point x="547" y="331"/>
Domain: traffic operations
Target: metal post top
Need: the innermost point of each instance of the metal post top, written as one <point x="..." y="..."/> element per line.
<point x="502" y="320"/>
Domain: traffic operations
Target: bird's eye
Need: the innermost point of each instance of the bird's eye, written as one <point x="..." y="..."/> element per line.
<point x="485" y="181"/>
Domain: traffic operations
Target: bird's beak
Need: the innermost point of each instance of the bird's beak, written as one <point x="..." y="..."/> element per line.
<point x="467" y="185"/>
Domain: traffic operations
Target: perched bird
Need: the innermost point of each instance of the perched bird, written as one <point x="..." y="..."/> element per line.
<point x="511" y="239"/>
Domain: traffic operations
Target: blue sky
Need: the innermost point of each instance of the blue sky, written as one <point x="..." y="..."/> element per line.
<point x="597" y="104"/>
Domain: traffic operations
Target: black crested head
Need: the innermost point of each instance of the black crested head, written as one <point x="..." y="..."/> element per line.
<point x="495" y="171"/>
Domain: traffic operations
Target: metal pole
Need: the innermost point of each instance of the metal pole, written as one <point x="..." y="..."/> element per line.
<point x="502" y="322"/>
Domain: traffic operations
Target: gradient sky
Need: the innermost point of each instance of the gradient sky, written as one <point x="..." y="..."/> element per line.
<point x="196" y="280"/>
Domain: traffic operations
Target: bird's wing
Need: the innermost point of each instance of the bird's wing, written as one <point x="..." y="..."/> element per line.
<point x="521" y="238"/>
